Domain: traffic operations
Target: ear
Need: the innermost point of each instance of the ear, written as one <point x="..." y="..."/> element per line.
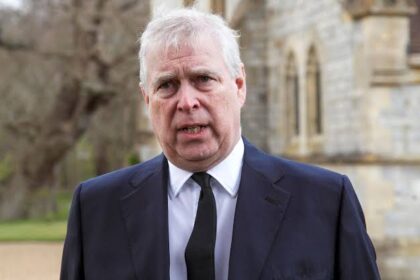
<point x="144" y="93"/>
<point x="240" y="82"/>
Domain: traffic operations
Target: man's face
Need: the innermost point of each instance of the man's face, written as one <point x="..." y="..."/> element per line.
<point x="194" y="103"/>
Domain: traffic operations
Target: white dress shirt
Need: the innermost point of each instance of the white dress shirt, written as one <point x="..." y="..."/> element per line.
<point x="183" y="195"/>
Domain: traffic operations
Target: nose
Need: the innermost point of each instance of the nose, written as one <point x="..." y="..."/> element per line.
<point x="187" y="98"/>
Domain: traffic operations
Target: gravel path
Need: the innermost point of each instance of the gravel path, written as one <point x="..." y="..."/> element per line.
<point x="30" y="261"/>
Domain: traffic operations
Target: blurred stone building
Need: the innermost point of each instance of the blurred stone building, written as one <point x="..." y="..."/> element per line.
<point x="337" y="83"/>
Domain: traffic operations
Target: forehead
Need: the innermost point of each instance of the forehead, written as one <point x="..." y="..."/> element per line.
<point x="203" y="49"/>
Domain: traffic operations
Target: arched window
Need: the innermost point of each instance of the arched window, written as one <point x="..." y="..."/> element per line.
<point x="292" y="98"/>
<point x="314" y="94"/>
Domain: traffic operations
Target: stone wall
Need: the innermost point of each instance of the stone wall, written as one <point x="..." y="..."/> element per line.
<point x="393" y="116"/>
<point x="369" y="93"/>
<point x="371" y="101"/>
<point x="253" y="52"/>
<point x="293" y="27"/>
<point x="390" y="197"/>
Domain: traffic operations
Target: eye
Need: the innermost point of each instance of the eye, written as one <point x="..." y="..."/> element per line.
<point x="203" y="79"/>
<point x="165" y="85"/>
<point x="167" y="88"/>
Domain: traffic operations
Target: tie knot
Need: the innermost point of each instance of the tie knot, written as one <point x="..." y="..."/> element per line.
<point x="202" y="178"/>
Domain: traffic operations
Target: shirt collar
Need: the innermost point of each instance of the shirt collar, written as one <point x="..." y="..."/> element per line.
<point x="227" y="172"/>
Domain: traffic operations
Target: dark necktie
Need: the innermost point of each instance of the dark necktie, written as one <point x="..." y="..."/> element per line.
<point x="199" y="254"/>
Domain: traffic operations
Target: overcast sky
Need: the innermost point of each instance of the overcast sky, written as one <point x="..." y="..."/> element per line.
<point x="10" y="3"/>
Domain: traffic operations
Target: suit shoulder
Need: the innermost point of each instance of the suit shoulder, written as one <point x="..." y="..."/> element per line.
<point x="308" y="179"/>
<point x="275" y="167"/>
<point x="123" y="176"/>
<point x="309" y="170"/>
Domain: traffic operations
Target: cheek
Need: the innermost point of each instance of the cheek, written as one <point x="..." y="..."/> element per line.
<point x="155" y="115"/>
<point x="160" y="113"/>
<point x="225" y="111"/>
<point x="231" y="105"/>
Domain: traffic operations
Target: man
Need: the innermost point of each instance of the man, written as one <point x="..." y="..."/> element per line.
<point x="212" y="206"/>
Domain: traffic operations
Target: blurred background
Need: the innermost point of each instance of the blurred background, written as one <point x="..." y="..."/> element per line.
<point x="330" y="82"/>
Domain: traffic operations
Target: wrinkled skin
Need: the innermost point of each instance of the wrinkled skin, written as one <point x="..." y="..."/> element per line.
<point x="194" y="103"/>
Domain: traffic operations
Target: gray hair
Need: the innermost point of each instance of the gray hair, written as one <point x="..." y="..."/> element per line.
<point x="185" y="26"/>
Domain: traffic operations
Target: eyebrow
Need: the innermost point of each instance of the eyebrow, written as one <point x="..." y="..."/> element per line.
<point x="202" y="71"/>
<point x="163" y="77"/>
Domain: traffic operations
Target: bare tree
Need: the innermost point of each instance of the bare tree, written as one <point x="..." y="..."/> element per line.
<point x="67" y="59"/>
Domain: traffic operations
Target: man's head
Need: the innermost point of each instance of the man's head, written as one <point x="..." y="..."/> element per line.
<point x="193" y="83"/>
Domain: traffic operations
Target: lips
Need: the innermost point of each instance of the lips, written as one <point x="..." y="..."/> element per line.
<point x="192" y="129"/>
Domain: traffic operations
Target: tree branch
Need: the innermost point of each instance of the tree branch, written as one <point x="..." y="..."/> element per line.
<point x="13" y="46"/>
<point x="128" y="5"/>
<point x="124" y="56"/>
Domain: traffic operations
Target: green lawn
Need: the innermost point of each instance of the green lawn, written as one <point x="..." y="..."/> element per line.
<point x="52" y="228"/>
<point x="33" y="230"/>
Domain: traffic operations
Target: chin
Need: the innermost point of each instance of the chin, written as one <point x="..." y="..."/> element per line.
<point x="198" y="155"/>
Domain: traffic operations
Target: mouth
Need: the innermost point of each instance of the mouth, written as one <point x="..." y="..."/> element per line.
<point x="193" y="129"/>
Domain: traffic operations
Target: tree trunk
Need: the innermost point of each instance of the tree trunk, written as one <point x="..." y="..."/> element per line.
<point x="84" y="84"/>
<point x="102" y="161"/>
<point x="17" y="201"/>
<point x="29" y="191"/>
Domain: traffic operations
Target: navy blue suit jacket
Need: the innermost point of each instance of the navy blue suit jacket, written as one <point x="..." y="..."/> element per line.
<point x="292" y="221"/>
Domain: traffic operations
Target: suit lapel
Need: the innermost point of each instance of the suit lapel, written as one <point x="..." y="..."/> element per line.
<point x="259" y="212"/>
<point x="145" y="213"/>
